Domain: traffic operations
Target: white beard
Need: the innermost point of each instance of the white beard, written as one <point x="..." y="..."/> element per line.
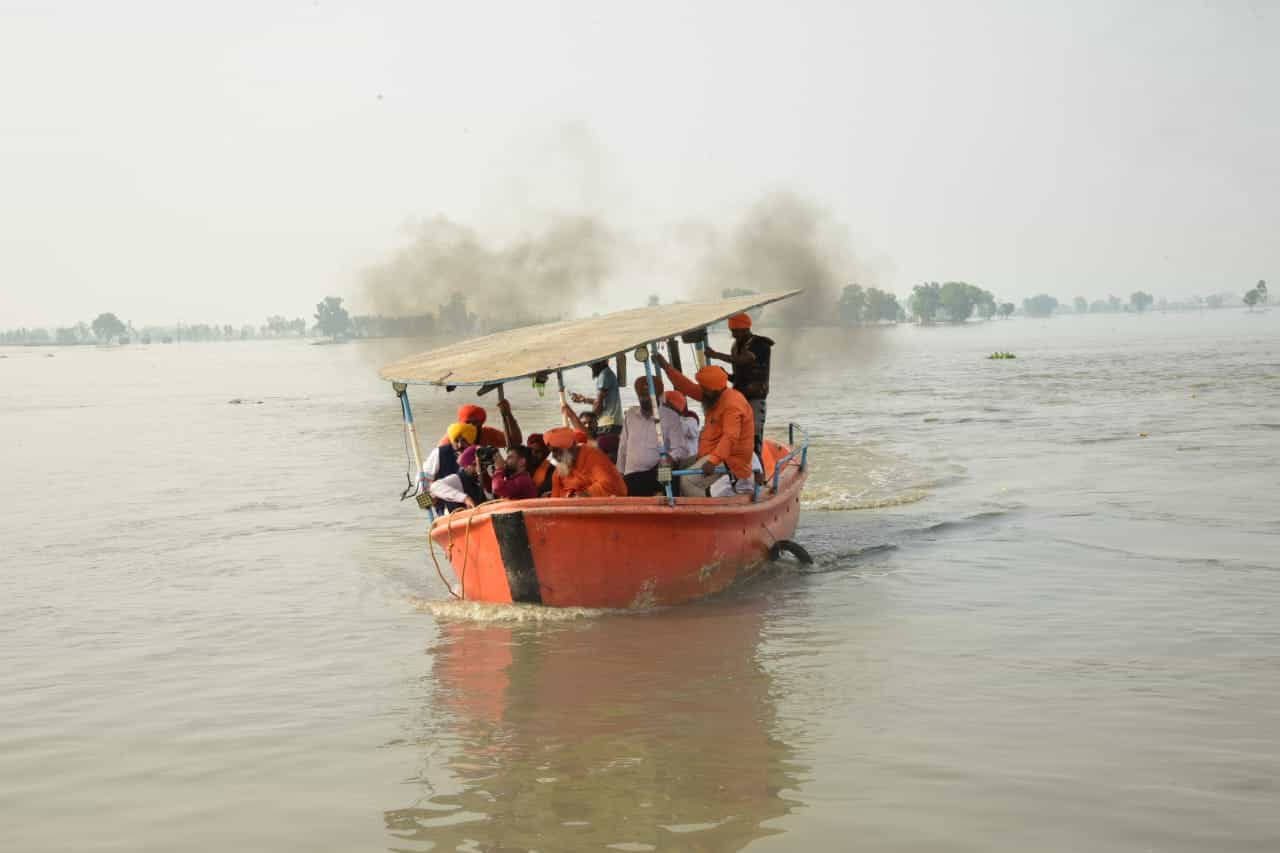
<point x="564" y="466"/>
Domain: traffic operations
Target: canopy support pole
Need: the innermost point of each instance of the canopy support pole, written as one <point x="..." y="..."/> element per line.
<point x="563" y="401"/>
<point x="664" y="464"/>
<point x="402" y="391"/>
<point x="698" y="337"/>
<point x="700" y="353"/>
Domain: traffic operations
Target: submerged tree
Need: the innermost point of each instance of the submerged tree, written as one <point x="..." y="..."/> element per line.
<point x="332" y="318"/>
<point x="108" y="326"/>
<point x="924" y="302"/>
<point x="1041" y="305"/>
<point x="1006" y="309"/>
<point x="1140" y="301"/>
<point x="956" y="299"/>
<point x="986" y="304"/>
<point x="1081" y="305"/>
<point x="853" y="300"/>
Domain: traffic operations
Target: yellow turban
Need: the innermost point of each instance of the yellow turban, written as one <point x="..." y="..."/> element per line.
<point x="466" y="431"/>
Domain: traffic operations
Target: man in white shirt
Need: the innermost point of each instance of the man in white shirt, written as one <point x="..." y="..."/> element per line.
<point x="688" y="420"/>
<point x="639" y="452"/>
<point x="463" y="489"/>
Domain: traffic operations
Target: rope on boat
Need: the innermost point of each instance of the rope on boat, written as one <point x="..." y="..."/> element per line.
<point x="431" y="547"/>
<point x="408" y="458"/>
<point x="466" y="552"/>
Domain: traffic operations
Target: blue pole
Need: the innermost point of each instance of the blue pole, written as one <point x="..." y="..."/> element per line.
<point x="665" y="449"/>
<point x="402" y="391"/>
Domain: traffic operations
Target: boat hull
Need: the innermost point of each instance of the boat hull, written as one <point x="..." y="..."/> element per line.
<point x="615" y="552"/>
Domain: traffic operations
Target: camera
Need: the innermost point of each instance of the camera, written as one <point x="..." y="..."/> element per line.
<point x="486" y="455"/>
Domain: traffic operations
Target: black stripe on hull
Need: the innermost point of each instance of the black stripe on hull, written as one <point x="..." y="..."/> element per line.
<point x="517" y="556"/>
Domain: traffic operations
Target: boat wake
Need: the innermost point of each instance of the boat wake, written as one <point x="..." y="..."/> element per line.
<point x="480" y="611"/>
<point x="836" y="500"/>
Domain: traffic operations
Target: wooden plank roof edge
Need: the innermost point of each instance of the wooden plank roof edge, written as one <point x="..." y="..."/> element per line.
<point x="531" y="350"/>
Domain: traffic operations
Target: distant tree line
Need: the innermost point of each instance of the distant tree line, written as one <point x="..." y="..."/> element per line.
<point x="929" y="303"/>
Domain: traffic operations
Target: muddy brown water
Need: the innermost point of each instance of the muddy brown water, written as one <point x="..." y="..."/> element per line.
<point x="1044" y="613"/>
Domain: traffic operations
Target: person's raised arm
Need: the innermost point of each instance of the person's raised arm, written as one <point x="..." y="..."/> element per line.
<point x="682" y="383"/>
<point x="574" y="421"/>
<point x="716" y="354"/>
<point x="510" y="425"/>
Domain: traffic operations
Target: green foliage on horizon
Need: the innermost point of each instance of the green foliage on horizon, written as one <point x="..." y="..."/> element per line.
<point x="1140" y="301"/>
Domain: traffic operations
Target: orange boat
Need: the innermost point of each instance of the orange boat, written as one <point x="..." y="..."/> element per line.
<point x="605" y="552"/>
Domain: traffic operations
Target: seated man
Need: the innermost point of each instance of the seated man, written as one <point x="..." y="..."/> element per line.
<point x="540" y="467"/>
<point x="588" y="430"/>
<point x="461" y="489"/>
<point x="488" y="436"/>
<point x="581" y="471"/>
<point x="688" y="420"/>
<point x="639" y="453"/>
<point x="728" y="436"/>
<point x="443" y="460"/>
<point x="511" y="479"/>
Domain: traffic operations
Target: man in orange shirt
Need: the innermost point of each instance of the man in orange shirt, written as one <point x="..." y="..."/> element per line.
<point x="581" y="471"/>
<point x="488" y="436"/>
<point x="727" y="437"/>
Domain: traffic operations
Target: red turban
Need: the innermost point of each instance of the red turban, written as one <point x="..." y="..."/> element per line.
<point x="580" y="436"/>
<point x="677" y="400"/>
<point x="712" y="378"/>
<point x="739" y="321"/>
<point x="470" y="413"/>
<point x="560" y="438"/>
<point x="533" y="438"/>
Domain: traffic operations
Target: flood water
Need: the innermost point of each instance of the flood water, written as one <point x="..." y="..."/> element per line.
<point x="1043" y="613"/>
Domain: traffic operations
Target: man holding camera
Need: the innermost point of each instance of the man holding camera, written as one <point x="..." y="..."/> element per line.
<point x="511" y="479"/>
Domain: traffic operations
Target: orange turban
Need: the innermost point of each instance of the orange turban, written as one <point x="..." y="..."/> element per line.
<point x="471" y="412"/>
<point x="712" y="378"/>
<point x="580" y="436"/>
<point x="560" y="438"/>
<point x="676" y="399"/>
<point x="739" y="321"/>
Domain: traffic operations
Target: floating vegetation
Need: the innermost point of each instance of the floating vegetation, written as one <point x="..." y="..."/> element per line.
<point x="1002" y="355"/>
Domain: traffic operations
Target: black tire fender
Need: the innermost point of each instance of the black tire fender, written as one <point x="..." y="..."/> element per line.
<point x="795" y="549"/>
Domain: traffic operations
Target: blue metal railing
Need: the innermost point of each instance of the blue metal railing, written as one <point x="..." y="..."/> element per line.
<point x="802" y="451"/>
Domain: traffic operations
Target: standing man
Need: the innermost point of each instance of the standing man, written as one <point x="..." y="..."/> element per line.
<point x="726" y="438"/>
<point x="607" y="405"/>
<point x="749" y="358"/>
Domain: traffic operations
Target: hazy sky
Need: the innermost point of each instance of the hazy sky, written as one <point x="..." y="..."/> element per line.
<point x="223" y="161"/>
